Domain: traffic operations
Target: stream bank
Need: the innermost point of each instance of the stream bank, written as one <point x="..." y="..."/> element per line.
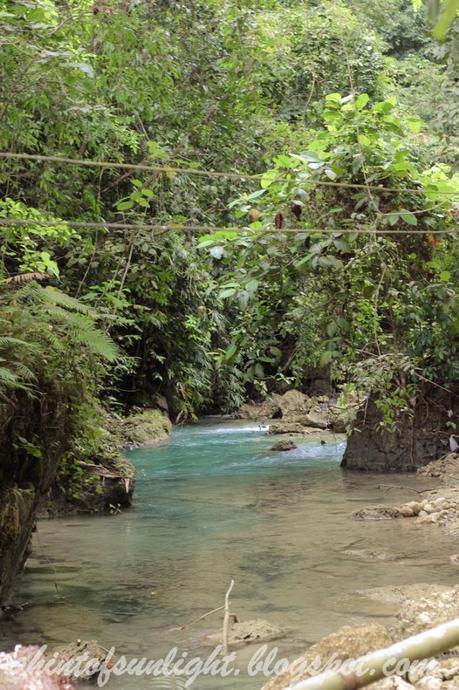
<point x="61" y="474"/>
<point x="214" y="504"/>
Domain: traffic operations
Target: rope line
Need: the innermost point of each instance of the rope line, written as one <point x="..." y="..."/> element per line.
<point x="202" y="173"/>
<point x="212" y="229"/>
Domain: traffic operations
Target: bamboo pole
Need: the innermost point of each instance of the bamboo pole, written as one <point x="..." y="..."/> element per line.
<point x="380" y="664"/>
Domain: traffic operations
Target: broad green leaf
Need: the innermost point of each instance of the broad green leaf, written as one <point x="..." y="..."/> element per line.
<point x="408" y="217"/>
<point x="361" y="101"/>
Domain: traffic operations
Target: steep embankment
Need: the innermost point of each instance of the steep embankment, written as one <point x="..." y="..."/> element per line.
<point x="421" y="436"/>
<point x="54" y="477"/>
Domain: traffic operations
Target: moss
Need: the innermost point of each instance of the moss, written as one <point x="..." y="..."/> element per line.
<point x="146" y="428"/>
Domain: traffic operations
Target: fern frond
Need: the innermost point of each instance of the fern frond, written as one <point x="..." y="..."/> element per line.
<point x="7" y="341"/>
<point x="10" y="381"/>
<point x="98" y="343"/>
<point x="55" y="296"/>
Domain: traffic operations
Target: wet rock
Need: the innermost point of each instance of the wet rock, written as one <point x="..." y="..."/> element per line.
<point x="348" y="642"/>
<point x="247" y="632"/>
<point x="284" y="427"/>
<point x="399" y="594"/>
<point x="17" y="672"/>
<point x="377" y="512"/>
<point x="284" y="444"/>
<point x="369" y="555"/>
<point x="267" y="409"/>
<point x="84" y="657"/>
<point x="419" y="614"/>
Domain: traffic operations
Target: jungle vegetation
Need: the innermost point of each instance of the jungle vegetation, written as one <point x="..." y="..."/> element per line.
<point x="255" y="280"/>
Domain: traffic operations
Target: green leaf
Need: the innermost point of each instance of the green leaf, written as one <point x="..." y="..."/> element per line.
<point x="445" y="276"/>
<point x="230" y="353"/>
<point x="414" y="124"/>
<point x="125" y="205"/>
<point x="326" y="358"/>
<point x="361" y="101"/>
<point x="364" y="140"/>
<point x="268" y="178"/>
<point x="408" y="217"/>
<point x="229" y="292"/>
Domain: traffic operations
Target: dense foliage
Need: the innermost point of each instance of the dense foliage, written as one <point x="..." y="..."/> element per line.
<point x="329" y="90"/>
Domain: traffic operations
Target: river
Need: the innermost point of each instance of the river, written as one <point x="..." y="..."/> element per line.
<point x="214" y="504"/>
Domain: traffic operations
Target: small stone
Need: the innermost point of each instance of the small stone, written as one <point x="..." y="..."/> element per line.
<point x="454" y="559"/>
<point x="428" y="507"/>
<point x="284" y="444"/>
<point x="406" y="511"/>
<point x="429" y="683"/>
<point x="415" y="506"/>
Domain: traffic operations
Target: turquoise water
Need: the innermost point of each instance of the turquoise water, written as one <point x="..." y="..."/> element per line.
<point x="211" y="505"/>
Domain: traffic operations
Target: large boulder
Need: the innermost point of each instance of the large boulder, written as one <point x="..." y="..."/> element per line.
<point x="415" y="443"/>
<point x="284" y="444"/>
<point x="255" y="411"/>
<point x="293" y="404"/>
<point x="348" y="642"/>
<point x="145" y="429"/>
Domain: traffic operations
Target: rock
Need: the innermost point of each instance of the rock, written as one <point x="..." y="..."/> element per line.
<point x="415" y="442"/>
<point x="398" y="594"/>
<point x="392" y="683"/>
<point x="317" y="418"/>
<point x="377" y="512"/>
<point x="145" y="429"/>
<point x="290" y="428"/>
<point x="255" y="411"/>
<point x="257" y="630"/>
<point x="406" y="511"/>
<point x="293" y="404"/>
<point x="437" y="607"/>
<point x="454" y="559"/>
<point x="348" y="642"/>
<point x="443" y="468"/>
<point x="86" y="656"/>
<point x="415" y="506"/>
<point x="369" y="555"/>
<point x="284" y="444"/>
<point x="17" y="672"/>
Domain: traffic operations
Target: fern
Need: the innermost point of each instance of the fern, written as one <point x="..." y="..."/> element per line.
<point x="54" y="296"/>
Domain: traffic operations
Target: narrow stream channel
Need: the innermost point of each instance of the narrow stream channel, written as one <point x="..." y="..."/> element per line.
<point x="211" y="505"/>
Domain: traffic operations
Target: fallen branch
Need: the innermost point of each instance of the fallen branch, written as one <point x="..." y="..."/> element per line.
<point x="226" y="620"/>
<point x="196" y="620"/>
<point x="388" y="487"/>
